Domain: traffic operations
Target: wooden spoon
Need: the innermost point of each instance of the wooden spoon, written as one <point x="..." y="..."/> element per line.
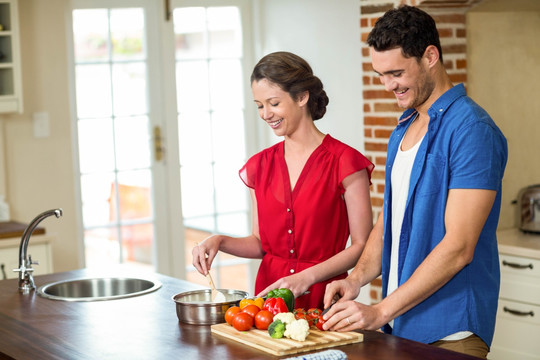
<point x="217" y="296"/>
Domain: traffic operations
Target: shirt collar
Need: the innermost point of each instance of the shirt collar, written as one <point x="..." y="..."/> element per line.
<point x="439" y="106"/>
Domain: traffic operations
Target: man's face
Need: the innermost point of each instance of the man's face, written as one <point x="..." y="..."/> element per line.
<point x="407" y="78"/>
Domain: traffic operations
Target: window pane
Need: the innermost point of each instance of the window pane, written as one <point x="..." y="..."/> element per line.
<point x="93" y="91"/>
<point x="134" y="190"/>
<point x="201" y="223"/>
<point x="137" y="243"/>
<point x="127" y="34"/>
<point x="192" y="85"/>
<point x="190" y="32"/>
<point x="129" y="89"/>
<point x="96" y="148"/>
<point x="225" y="33"/>
<point x="231" y="193"/>
<point x="90" y="35"/>
<point x="233" y="224"/>
<point x="101" y="247"/>
<point x="226" y="84"/>
<point x="132" y="143"/>
<point x="233" y="277"/>
<point x="195" y="138"/>
<point x="99" y="204"/>
<point x="197" y="190"/>
<point x="229" y="138"/>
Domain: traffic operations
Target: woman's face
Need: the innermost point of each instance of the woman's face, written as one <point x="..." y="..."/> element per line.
<point x="281" y="112"/>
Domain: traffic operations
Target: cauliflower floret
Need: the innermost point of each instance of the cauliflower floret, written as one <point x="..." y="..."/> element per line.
<point x="285" y="318"/>
<point x="297" y="330"/>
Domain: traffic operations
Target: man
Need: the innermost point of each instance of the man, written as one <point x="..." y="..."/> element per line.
<point x="435" y="242"/>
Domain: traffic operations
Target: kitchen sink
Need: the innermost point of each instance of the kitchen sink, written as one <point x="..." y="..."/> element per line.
<point x="98" y="289"/>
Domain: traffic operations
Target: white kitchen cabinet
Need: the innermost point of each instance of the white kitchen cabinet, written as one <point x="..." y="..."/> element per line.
<point x="517" y="330"/>
<point x="10" y="59"/>
<point x="39" y="248"/>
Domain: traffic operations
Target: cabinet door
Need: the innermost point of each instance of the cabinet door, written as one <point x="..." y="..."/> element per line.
<point x="9" y="257"/>
<point x="10" y="63"/>
<point x="520" y="279"/>
<point x="516" y="332"/>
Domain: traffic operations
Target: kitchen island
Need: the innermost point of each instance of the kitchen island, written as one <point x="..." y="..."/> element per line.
<point x="144" y="327"/>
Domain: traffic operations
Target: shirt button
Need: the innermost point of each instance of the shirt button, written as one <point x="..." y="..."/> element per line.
<point x="288" y="210"/>
<point x="292" y="251"/>
<point x="290" y="231"/>
<point x="292" y="271"/>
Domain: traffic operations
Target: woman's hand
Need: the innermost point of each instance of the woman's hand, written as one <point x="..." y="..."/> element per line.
<point x="205" y="252"/>
<point x="295" y="283"/>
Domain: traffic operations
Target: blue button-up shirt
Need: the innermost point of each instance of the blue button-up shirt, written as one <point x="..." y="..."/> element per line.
<point x="462" y="149"/>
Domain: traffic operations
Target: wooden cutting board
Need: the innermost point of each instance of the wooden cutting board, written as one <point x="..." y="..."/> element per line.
<point x="260" y="339"/>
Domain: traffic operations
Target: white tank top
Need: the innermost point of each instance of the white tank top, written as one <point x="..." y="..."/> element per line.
<point x="400" y="178"/>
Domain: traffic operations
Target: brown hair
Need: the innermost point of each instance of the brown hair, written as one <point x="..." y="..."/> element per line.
<point x="293" y="75"/>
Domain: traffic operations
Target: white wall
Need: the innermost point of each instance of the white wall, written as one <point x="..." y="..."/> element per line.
<point x="506" y="33"/>
<point x="327" y="35"/>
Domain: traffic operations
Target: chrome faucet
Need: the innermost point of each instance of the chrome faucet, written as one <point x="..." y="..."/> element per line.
<point x="26" y="279"/>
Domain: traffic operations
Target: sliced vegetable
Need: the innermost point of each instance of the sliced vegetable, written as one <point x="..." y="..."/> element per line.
<point x="276" y="329"/>
<point x="285" y="294"/>
<point x="275" y="305"/>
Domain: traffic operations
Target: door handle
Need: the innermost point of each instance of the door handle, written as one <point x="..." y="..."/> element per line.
<point x="159" y="150"/>
<point x="517" y="312"/>
<point x="517" y="266"/>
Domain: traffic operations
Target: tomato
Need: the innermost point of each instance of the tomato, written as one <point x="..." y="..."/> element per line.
<point x="313" y="313"/>
<point x="263" y="319"/>
<point x="229" y="315"/>
<point x="319" y="323"/>
<point x="251" y="309"/>
<point x="300" y="313"/>
<point x="242" y="321"/>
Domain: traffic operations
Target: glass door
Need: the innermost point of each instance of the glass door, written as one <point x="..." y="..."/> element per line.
<point x="114" y="135"/>
<point x="160" y="107"/>
<point x="210" y="62"/>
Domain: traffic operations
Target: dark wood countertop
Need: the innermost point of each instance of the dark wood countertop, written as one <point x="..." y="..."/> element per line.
<point x="11" y="229"/>
<point x="144" y="327"/>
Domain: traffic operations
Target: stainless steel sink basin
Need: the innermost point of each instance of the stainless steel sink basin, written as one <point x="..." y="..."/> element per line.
<point x="98" y="289"/>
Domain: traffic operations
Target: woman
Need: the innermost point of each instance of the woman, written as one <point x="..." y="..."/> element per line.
<point x="309" y="192"/>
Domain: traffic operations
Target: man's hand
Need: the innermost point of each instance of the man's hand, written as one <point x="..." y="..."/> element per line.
<point x="346" y="289"/>
<point x="351" y="315"/>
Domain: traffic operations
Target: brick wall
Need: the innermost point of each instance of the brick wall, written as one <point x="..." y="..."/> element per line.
<point x="380" y="109"/>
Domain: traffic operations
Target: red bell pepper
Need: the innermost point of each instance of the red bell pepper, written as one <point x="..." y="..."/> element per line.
<point x="275" y="305"/>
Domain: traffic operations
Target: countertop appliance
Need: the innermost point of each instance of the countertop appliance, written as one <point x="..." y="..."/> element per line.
<point x="529" y="209"/>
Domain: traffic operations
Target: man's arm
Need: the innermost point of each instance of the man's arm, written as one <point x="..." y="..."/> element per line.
<point x="466" y="213"/>
<point x="465" y="216"/>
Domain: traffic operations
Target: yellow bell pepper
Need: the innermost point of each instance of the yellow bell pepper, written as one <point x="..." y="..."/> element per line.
<point x="259" y="302"/>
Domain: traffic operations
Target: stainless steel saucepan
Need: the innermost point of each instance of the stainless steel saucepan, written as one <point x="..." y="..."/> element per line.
<point x="196" y="307"/>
